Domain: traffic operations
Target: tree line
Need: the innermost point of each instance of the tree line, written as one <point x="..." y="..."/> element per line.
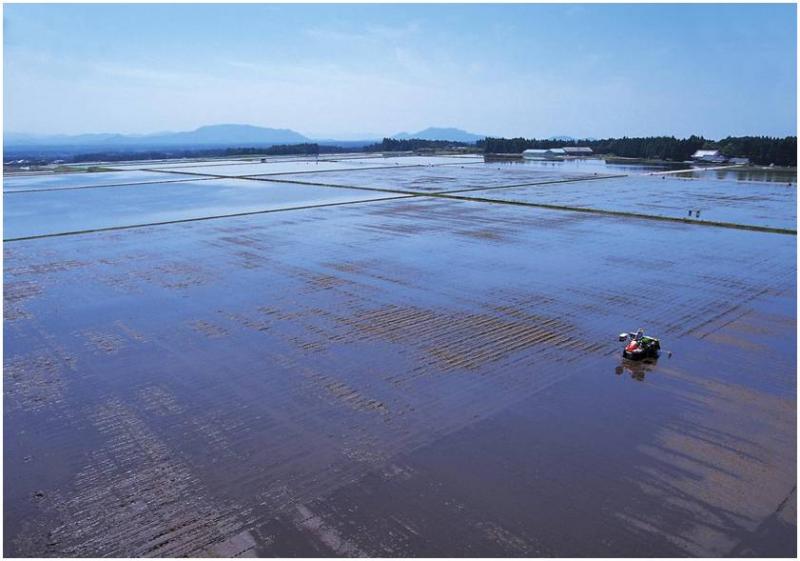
<point x="762" y="150"/>
<point x="304" y="149"/>
<point x="411" y="144"/>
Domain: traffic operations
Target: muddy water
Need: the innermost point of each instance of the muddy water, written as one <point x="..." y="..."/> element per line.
<point x="414" y="377"/>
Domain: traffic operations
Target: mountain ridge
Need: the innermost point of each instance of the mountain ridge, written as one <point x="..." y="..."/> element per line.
<point x="211" y="136"/>
<point x="441" y="133"/>
<point x="208" y="135"/>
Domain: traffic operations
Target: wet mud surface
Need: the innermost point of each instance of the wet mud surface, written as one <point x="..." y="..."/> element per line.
<point x="399" y="378"/>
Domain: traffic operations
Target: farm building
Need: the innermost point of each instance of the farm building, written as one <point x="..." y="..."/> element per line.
<point x="544" y="153"/>
<point x="709" y="156"/>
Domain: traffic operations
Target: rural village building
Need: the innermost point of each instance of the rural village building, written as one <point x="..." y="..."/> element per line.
<point x="556" y="153"/>
<point x="709" y="156"/>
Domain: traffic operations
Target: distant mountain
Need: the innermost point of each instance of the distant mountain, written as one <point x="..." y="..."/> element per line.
<point x="25" y="139"/>
<point x="212" y="135"/>
<point x="434" y="133"/>
<point x="233" y="134"/>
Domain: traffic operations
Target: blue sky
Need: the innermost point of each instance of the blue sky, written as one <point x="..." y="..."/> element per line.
<point x="350" y="70"/>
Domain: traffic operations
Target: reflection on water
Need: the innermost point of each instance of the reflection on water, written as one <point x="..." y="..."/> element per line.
<point x="739" y="202"/>
<point x="771" y="175"/>
<point x="268" y="384"/>
<point x="589" y="165"/>
<point x="747" y="174"/>
<point x="637" y="370"/>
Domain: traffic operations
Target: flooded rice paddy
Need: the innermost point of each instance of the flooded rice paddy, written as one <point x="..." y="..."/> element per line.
<point x="195" y="162"/>
<point x="420" y="376"/>
<point x="58" y="212"/>
<point x="443" y="178"/>
<point x="49" y="182"/>
<point x="751" y="203"/>
<point x="283" y="166"/>
<point x="745" y="174"/>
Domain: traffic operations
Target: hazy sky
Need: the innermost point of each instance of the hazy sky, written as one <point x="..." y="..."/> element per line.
<point x="345" y="71"/>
